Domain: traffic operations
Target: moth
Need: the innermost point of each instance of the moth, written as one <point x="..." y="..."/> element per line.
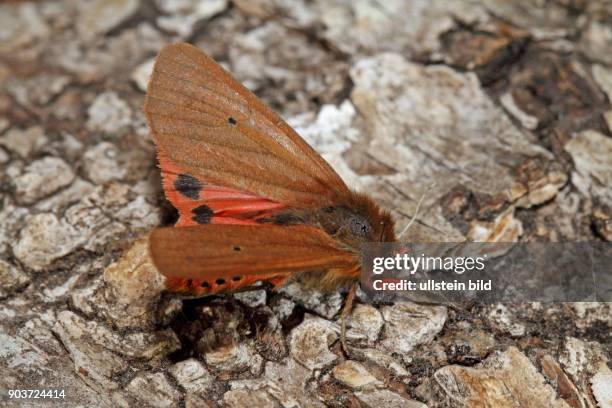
<point x="256" y="203"/>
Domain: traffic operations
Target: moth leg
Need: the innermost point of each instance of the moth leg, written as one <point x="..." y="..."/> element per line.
<point x="346" y="310"/>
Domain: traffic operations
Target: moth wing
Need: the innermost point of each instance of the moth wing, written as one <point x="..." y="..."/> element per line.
<point x="207" y="259"/>
<point x="209" y="128"/>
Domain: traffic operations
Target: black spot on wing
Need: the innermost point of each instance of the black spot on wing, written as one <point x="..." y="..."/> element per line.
<point x="282" y="219"/>
<point x="287" y="219"/>
<point x="231" y="121"/>
<point x="188" y="186"/>
<point x="202" y="214"/>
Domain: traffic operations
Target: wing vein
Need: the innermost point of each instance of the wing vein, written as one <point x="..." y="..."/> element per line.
<point x="222" y="118"/>
<point x="212" y="91"/>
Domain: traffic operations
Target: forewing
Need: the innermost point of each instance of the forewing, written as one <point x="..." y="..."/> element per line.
<point x="209" y="127"/>
<point x="208" y="259"/>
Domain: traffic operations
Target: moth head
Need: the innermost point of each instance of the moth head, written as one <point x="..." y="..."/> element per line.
<point x="381" y="226"/>
<point x="357" y="222"/>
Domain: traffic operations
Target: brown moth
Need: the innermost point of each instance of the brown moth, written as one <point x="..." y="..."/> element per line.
<point x="256" y="202"/>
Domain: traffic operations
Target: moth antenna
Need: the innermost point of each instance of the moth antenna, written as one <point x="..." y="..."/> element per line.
<point x="416" y="211"/>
